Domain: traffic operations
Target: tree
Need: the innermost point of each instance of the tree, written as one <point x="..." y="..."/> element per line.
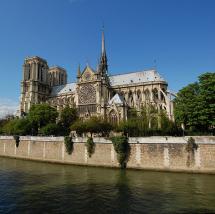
<point x="207" y="100"/>
<point x="195" y="104"/>
<point x="67" y="117"/>
<point x="50" y="129"/>
<point x="3" y="122"/>
<point x="186" y="103"/>
<point x="42" y="114"/>
<point x="78" y="126"/>
<point x="17" y="127"/>
<point x="92" y="125"/>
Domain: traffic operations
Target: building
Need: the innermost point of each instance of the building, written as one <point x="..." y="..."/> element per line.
<point x="95" y="92"/>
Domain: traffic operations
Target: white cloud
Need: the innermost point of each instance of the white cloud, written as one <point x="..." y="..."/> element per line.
<point x="7" y="106"/>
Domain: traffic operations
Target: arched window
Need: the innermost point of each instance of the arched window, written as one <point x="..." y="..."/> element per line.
<point x="139" y="98"/>
<point x="155" y="94"/>
<point x="28" y="71"/>
<point x="147" y="95"/>
<point x="62" y="79"/>
<point x="130" y="99"/>
<point x="113" y="117"/>
<point x="41" y="74"/>
<point x="50" y="79"/>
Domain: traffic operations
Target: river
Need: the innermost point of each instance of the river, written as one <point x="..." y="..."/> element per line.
<point x="34" y="187"/>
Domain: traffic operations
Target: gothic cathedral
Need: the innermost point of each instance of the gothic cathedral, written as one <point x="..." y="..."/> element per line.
<point x="96" y="93"/>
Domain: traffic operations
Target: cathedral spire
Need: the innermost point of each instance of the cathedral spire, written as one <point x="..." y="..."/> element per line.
<point x="103" y="43"/>
<point x="103" y="59"/>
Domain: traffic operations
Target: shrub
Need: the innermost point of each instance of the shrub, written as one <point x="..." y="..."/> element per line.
<point x="17" y="139"/>
<point x="92" y="125"/>
<point x="68" y="144"/>
<point x="17" y="127"/>
<point x="90" y="146"/>
<point x="79" y="126"/>
<point x="190" y="148"/>
<point x="122" y="149"/>
<point x="191" y="145"/>
<point x="50" y="129"/>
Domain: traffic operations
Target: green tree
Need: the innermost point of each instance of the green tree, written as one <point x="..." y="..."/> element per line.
<point x="17" y="127"/>
<point x="186" y="104"/>
<point x="92" y="125"/>
<point x="95" y="125"/>
<point x="50" y="129"/>
<point x="42" y="114"/>
<point x="78" y="126"/>
<point x="195" y="104"/>
<point x="67" y="117"/>
<point x="207" y="100"/>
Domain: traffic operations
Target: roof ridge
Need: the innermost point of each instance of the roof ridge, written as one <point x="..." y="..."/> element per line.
<point x="132" y="72"/>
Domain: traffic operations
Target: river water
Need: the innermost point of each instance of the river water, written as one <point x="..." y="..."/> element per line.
<point x="33" y="187"/>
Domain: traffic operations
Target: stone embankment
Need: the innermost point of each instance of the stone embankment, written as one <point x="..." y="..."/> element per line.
<point x="153" y="153"/>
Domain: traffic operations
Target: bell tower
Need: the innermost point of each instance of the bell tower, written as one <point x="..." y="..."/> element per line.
<point x="34" y="84"/>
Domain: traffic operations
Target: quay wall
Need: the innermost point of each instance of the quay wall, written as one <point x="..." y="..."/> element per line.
<point x="151" y="153"/>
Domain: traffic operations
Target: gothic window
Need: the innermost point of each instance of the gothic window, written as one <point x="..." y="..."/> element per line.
<point x="50" y="79"/>
<point x="155" y="94"/>
<point x="41" y="74"/>
<point x="130" y="99"/>
<point x="147" y="95"/>
<point x="29" y="72"/>
<point x="113" y="117"/>
<point x="162" y="96"/>
<point x="38" y="72"/>
<point x="139" y="98"/>
<point x="87" y="75"/>
<point x="59" y="79"/>
<point x="87" y="94"/>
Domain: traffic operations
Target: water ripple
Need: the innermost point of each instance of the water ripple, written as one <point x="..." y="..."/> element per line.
<point x="30" y="187"/>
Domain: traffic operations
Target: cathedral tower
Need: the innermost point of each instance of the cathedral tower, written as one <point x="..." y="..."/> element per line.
<point x="57" y="76"/>
<point x="93" y="87"/>
<point x="34" y="85"/>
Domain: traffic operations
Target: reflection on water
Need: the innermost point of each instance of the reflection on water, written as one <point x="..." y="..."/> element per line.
<point x="31" y="187"/>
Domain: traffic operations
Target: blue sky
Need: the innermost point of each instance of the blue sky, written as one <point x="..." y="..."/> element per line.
<point x="178" y="34"/>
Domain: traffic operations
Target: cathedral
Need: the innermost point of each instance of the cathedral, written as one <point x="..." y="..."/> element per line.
<point x="96" y="92"/>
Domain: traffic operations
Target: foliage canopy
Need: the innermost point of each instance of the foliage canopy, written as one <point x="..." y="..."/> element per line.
<point x="195" y="105"/>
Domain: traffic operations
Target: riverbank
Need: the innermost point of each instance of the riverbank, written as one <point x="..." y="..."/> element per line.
<point x="149" y="153"/>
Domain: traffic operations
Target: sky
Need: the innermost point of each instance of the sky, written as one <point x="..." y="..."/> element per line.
<point x="175" y="36"/>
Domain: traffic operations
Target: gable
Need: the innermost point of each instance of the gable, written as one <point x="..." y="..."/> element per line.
<point x="88" y="74"/>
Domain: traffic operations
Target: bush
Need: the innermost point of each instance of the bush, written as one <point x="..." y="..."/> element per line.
<point x="50" y="129"/>
<point x="191" y="145"/>
<point x="68" y="144"/>
<point x="190" y="148"/>
<point x="92" y="125"/>
<point x="17" y="127"/>
<point x="122" y="149"/>
<point x="138" y="127"/>
<point x="17" y="139"/>
<point x="79" y="126"/>
<point x="90" y="146"/>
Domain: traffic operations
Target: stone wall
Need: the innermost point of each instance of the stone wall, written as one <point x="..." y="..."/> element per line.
<point x="154" y="153"/>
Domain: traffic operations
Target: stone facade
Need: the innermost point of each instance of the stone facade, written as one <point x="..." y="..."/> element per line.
<point x="95" y="92"/>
